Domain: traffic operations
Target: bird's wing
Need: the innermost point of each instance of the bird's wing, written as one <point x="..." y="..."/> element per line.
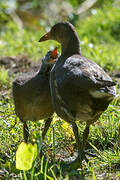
<point x="80" y="72"/>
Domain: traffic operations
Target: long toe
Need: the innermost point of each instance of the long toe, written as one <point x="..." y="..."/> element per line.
<point x="74" y="164"/>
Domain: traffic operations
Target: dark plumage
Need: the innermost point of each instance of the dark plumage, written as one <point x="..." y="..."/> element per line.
<point x="81" y="89"/>
<point x="32" y="98"/>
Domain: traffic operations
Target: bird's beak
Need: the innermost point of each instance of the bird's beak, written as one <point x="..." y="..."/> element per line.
<point x="54" y="54"/>
<point x="45" y="37"/>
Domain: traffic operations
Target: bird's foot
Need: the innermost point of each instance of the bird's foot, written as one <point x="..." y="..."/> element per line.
<point x="74" y="164"/>
<point x="77" y="163"/>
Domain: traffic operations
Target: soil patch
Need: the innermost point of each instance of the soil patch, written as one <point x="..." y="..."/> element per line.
<point x="16" y="64"/>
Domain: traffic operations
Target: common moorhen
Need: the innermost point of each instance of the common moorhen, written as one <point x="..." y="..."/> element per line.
<point x="81" y="89"/>
<point x="32" y="96"/>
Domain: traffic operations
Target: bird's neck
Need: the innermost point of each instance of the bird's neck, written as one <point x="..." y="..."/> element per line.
<point x="70" y="46"/>
<point x="44" y="68"/>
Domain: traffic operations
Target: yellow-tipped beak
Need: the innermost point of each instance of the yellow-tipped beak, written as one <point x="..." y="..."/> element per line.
<point x="45" y="37"/>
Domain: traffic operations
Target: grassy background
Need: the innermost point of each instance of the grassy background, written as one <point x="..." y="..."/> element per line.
<point x="99" y="34"/>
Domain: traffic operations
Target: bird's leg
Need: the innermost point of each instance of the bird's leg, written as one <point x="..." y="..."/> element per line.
<point x="25" y="132"/>
<point x="78" y="161"/>
<point x="85" y="136"/>
<point x="81" y="154"/>
<point x="47" y="125"/>
<point x="78" y="142"/>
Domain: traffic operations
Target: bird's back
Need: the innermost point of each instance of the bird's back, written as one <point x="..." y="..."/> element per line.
<point x="32" y="97"/>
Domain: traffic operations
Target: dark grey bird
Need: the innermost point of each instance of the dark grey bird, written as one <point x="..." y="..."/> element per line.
<point x="32" y="97"/>
<point x="81" y="90"/>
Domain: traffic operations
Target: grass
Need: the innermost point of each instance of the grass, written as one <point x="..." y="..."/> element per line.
<point x="99" y="35"/>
